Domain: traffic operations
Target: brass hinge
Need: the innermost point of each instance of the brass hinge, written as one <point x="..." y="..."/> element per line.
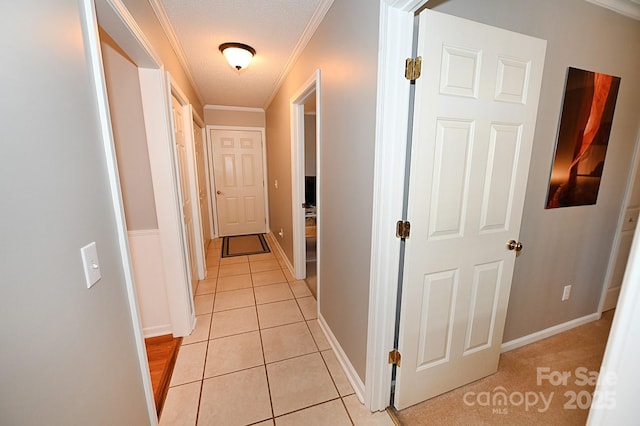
<point x="403" y="227"/>
<point x="413" y="68"/>
<point x="394" y="357"/>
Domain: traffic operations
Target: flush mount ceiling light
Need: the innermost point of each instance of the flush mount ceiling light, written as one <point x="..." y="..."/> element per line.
<point x="237" y="54"/>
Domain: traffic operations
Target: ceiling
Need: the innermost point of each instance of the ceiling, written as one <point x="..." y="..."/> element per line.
<point x="278" y="30"/>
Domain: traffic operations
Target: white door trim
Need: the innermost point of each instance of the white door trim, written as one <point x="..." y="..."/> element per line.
<point x="188" y="118"/>
<point x="312" y="85"/>
<point x="392" y="117"/>
<point x="210" y="172"/>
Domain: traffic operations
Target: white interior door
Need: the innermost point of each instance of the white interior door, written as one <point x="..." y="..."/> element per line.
<point x="202" y="184"/>
<point x="185" y="193"/>
<point x="239" y="181"/>
<point x="474" y="118"/>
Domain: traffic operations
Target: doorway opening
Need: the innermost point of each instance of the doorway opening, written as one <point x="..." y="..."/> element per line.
<point x="305" y="152"/>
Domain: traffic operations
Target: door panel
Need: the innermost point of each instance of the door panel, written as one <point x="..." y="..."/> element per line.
<point x="185" y="192"/>
<point x="239" y="178"/>
<point x="202" y="185"/>
<point x="474" y="118"/>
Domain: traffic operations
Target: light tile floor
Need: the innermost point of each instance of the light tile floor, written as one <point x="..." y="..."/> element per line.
<point x="258" y="355"/>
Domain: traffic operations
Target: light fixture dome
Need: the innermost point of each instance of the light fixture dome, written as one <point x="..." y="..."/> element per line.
<point x="237" y="54"/>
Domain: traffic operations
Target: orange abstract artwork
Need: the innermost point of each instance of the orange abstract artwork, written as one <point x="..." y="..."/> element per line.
<point x="583" y="136"/>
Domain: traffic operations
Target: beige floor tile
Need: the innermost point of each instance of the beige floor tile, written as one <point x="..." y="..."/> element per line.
<point x="181" y="406"/>
<point x="201" y="332"/>
<point x="233" y="269"/>
<point x="279" y="313"/>
<point x="189" y="364"/>
<point x="239" y="398"/>
<point x="299" y="383"/>
<point x="234" y="282"/>
<point x="272" y="293"/>
<point x="300" y="289"/>
<point x="233" y="299"/>
<point x="318" y="335"/>
<point x="361" y="415"/>
<point x="330" y="413"/>
<point x="262" y="257"/>
<point x="233" y="353"/>
<point x="337" y="373"/>
<point x="235" y="259"/>
<point x="203" y="304"/>
<point x="287" y="341"/>
<point x="309" y="307"/>
<point x="207" y="286"/>
<point x="267" y="265"/>
<point x="212" y="271"/>
<point x="213" y="259"/>
<point x="268" y="277"/>
<point x="287" y="274"/>
<point x="232" y="322"/>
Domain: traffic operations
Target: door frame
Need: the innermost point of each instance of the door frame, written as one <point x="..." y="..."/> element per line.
<point x="392" y="117"/>
<point x="211" y="173"/>
<point x="197" y="120"/>
<point x="311" y="86"/>
<point x="187" y="125"/>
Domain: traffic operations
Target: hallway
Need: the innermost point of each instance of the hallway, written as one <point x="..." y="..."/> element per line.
<point x="258" y="355"/>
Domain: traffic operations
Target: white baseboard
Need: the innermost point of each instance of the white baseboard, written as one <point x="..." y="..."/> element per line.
<point x="350" y="372"/>
<point x="159" y="330"/>
<point x="547" y="332"/>
<point x="611" y="298"/>
<point x="276" y="245"/>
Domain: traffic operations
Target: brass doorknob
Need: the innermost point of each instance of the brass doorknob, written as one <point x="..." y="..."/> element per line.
<point x="513" y="245"/>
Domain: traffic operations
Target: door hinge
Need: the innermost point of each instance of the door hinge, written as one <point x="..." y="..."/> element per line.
<point x="394" y="357"/>
<point x="413" y="68"/>
<point x="403" y="227"/>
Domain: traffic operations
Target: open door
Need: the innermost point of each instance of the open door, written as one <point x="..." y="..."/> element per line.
<point x="474" y="119"/>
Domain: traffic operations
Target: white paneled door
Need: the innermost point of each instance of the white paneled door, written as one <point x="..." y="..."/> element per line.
<point x="185" y="192"/>
<point x="239" y="181"/>
<point x="474" y="118"/>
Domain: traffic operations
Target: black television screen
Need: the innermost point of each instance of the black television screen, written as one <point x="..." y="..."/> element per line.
<point x="310" y="191"/>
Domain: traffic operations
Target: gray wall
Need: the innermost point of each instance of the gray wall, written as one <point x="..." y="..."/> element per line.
<point x="567" y="245"/>
<point x="341" y="50"/>
<point x="67" y="353"/>
<point x="127" y="120"/>
<point x="310" y="144"/>
<point x="222" y="117"/>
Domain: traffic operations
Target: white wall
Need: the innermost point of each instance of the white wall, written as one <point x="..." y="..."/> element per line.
<point x="567" y="245"/>
<point x="310" y="144"/>
<point x="68" y="354"/>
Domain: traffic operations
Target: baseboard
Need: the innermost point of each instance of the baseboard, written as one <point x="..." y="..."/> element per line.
<point x="548" y="332"/>
<point x="611" y="298"/>
<point x="159" y="330"/>
<point x="349" y="371"/>
<point x="276" y="246"/>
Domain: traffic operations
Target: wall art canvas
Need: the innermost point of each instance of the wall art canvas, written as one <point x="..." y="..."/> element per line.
<point x="583" y="136"/>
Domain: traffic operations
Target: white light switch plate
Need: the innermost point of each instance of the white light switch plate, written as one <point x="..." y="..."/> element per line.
<point x="91" y="265"/>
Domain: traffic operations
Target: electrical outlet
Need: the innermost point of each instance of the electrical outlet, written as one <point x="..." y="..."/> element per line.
<point x="566" y="293"/>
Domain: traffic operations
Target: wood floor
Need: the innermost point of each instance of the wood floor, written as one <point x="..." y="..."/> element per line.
<point x="162" y="352"/>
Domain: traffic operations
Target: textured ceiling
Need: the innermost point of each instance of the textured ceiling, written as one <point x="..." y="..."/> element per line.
<point x="272" y="27"/>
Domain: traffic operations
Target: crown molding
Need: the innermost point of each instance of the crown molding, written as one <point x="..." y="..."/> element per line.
<point x="309" y="31"/>
<point x="630" y="8"/>
<point x="161" y="14"/>
<point x="233" y="108"/>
